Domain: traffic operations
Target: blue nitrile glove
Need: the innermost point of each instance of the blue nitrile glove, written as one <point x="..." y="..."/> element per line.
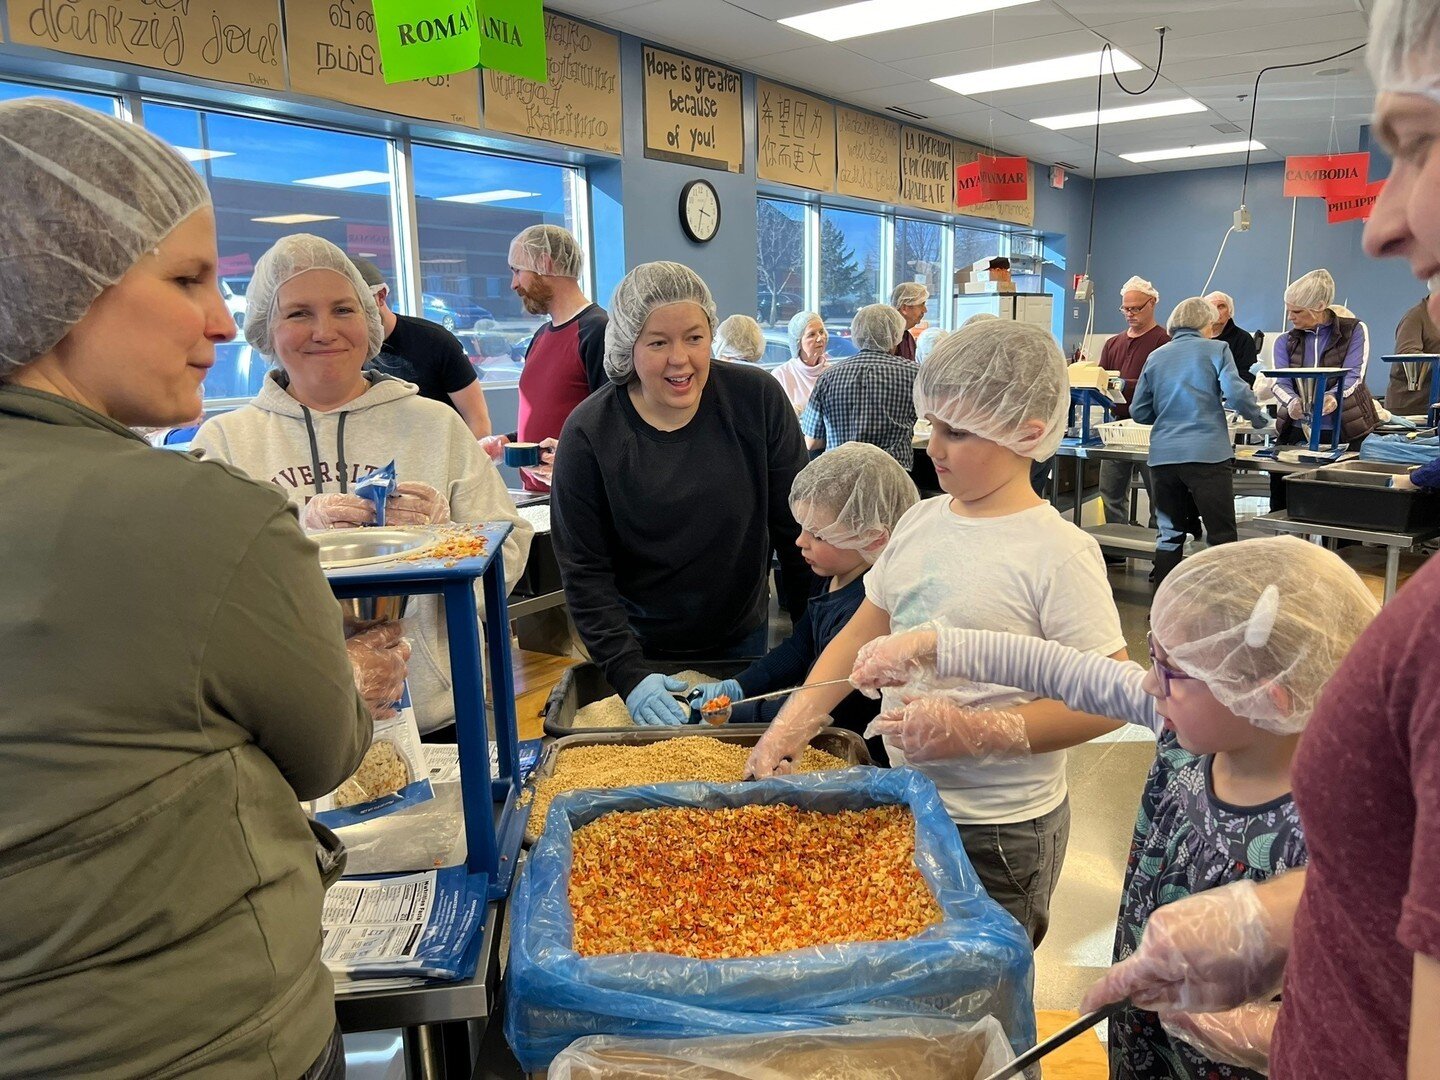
<point x="651" y="703"/>
<point x="707" y="692"/>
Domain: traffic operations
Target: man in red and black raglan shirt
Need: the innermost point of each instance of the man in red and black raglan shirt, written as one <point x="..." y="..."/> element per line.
<point x="566" y="358"/>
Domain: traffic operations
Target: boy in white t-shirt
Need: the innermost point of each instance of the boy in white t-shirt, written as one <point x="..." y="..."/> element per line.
<point x="990" y="554"/>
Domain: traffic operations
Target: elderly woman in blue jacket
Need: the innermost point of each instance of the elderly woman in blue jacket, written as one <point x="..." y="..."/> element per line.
<point x="1183" y="392"/>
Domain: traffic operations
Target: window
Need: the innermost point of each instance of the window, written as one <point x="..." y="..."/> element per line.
<point x="972" y="245"/>
<point x="469" y="206"/>
<point x="99" y="102"/>
<point x="850" y="244"/>
<point x="779" y="267"/>
<point x="270" y="179"/>
<point x="919" y="253"/>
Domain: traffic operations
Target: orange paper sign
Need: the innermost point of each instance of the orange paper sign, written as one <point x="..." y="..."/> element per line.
<point x="967" y="185"/>
<point x="1353" y="207"/>
<point x="1326" y="175"/>
<point x="1004" y="179"/>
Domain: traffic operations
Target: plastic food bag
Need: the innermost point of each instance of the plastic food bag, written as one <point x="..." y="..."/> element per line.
<point x="977" y="962"/>
<point x="393" y="774"/>
<point x="1400" y="449"/>
<point x="916" y="1048"/>
<point x="376" y="487"/>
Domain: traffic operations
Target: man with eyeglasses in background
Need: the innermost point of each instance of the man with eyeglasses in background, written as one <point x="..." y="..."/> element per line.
<point x="1127" y="353"/>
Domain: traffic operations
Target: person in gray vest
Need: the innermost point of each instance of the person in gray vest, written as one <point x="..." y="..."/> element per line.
<point x="1322" y="337"/>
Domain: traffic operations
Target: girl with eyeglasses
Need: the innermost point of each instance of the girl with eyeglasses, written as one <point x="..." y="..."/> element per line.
<point x="1243" y="638"/>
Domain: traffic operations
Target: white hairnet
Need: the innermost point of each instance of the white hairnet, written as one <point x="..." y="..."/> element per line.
<point x="926" y="342"/>
<point x="289" y="257"/>
<point x="1311" y="291"/>
<point x="1194" y="313"/>
<point x="908" y="293"/>
<point x="641" y="291"/>
<point x="991" y="378"/>
<point x="1140" y="285"/>
<point x="878" y="327"/>
<point x="797" y="327"/>
<point x="547" y="249"/>
<point x="979" y="316"/>
<point x="1262" y="620"/>
<point x="739" y="338"/>
<point x="852" y="496"/>
<point x="1404" y="51"/>
<point x="86" y="196"/>
<point x="1217" y="297"/>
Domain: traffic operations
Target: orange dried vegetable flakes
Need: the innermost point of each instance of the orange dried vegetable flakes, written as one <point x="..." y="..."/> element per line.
<point x="453" y="543"/>
<point x="748" y="881"/>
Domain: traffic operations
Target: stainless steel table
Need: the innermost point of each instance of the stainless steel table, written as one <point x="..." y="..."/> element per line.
<point x="1082" y="454"/>
<point x="1393" y="543"/>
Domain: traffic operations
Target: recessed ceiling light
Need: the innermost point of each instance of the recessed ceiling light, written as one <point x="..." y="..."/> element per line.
<point x="192" y="153"/>
<point x="502" y="195"/>
<point x="1039" y="73"/>
<point x="1194" y="151"/>
<point x="359" y="178"/>
<point x="1121" y="114"/>
<point x="1333" y="71"/>
<point x="296" y="219"/>
<point x="877" y="16"/>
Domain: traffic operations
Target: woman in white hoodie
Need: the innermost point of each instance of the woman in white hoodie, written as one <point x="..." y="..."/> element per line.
<point x="321" y="421"/>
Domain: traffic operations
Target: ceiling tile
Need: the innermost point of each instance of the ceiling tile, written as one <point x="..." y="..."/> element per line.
<point x="728" y="32"/>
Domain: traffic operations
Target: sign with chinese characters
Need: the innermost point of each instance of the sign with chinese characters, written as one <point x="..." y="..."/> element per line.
<point x="796" y="137"/>
<point x="692" y="111"/>
<point x="867" y="152"/>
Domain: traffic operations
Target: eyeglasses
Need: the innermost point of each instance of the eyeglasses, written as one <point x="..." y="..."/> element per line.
<point x="1137" y="310"/>
<point x="1164" y="673"/>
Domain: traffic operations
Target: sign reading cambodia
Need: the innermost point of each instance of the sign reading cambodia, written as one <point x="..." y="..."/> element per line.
<point x="692" y="111"/>
<point x="422" y="39"/>
<point x="1353" y="207"/>
<point x="1326" y="175"/>
<point x="236" y="41"/>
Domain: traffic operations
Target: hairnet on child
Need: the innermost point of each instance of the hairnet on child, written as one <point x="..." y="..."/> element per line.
<point x="995" y="378"/>
<point x="926" y="342"/>
<point x="1404" y="46"/>
<point x="547" y="249"/>
<point x="1140" y="285"/>
<point x="289" y="257"/>
<point x="909" y="293"/>
<point x="878" y="327"/>
<point x="851" y="497"/>
<point x="797" y="327"/>
<point x="86" y="196"/>
<point x="1192" y="313"/>
<point x="649" y="286"/>
<point x="1311" y="291"/>
<point x="739" y="338"/>
<point x="1263" y="623"/>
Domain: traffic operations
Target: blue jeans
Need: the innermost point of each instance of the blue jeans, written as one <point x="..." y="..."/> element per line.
<point x="330" y="1065"/>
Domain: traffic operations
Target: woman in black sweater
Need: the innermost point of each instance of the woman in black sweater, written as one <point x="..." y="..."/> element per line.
<point x="671" y="494"/>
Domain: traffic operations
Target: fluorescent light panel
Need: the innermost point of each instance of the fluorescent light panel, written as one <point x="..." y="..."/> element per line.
<point x="1194" y="151"/>
<point x="1039" y="73"/>
<point x="296" y="219"/>
<point x="877" y="16"/>
<point x="359" y="178"/>
<point x="503" y="195"/>
<point x="1120" y="115"/>
<point x="192" y="153"/>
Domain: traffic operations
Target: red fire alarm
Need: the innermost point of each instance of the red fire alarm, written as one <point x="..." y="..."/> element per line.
<point x="1057" y="176"/>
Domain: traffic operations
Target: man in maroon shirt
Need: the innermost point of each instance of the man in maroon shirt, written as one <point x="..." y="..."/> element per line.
<point x="911" y="299"/>
<point x="565" y="361"/>
<point x="1127" y="353"/>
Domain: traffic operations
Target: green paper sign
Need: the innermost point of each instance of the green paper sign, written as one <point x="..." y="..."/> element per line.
<point x="422" y="39"/>
<point x="512" y="38"/>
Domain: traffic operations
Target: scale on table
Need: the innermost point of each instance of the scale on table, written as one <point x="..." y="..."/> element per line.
<point x="1410" y="364"/>
<point x="1312" y="383"/>
<point x="1085" y="398"/>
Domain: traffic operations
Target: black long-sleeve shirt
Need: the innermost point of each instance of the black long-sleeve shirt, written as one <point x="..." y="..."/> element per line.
<point x="664" y="537"/>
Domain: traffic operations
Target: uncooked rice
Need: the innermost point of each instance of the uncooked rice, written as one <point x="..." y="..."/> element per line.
<point x="611" y="712"/>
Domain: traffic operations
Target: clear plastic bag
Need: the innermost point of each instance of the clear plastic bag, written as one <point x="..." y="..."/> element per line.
<point x="912" y="1047"/>
<point x="975" y="963"/>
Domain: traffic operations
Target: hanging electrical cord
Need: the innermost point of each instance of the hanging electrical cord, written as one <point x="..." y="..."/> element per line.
<point x="1216" y="265"/>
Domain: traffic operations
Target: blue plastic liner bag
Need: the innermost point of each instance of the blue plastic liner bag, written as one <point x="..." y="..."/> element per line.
<point x="976" y="962"/>
<point x="1400" y="449"/>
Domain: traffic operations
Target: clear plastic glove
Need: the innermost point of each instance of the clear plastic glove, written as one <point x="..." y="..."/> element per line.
<point x="652" y="702"/>
<point x="414" y="503"/>
<point x="935" y="727"/>
<point x="494" y="446"/>
<point x="336" y="511"/>
<point x="1295" y="410"/>
<point x="1239" y="1037"/>
<point x="1330" y="405"/>
<point x="709" y="691"/>
<point x="1212" y="951"/>
<point x="893" y="660"/>
<point x="786" y="738"/>
<point x="379" y="660"/>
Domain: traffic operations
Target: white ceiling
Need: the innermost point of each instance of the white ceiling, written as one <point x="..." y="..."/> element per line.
<point x="1213" y="51"/>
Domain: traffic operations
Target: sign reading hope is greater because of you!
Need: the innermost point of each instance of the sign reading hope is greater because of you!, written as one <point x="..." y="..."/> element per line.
<point x="235" y="41"/>
<point x="578" y="104"/>
<point x="867" y="149"/>
<point x="692" y="112"/>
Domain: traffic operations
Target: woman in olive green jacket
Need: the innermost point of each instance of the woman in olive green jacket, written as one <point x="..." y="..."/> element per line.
<point x="175" y="677"/>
